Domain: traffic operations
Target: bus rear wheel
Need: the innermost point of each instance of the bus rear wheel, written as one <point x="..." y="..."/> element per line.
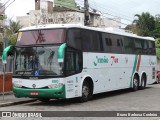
<point x="135" y="83"/>
<point x="86" y="92"/>
<point x="143" y="82"/>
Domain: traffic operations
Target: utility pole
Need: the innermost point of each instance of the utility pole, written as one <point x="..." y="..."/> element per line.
<point x="86" y="13"/>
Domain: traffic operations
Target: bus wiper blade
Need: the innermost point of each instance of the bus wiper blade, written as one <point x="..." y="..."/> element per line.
<point x="26" y="72"/>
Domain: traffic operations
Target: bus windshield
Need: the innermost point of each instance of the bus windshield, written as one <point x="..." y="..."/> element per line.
<point x="37" y="61"/>
<point x="48" y="36"/>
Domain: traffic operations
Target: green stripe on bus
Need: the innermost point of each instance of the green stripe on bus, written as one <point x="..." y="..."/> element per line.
<point x="61" y="52"/>
<point x="134" y="68"/>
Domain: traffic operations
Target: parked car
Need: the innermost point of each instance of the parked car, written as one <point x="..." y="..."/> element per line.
<point x="158" y="76"/>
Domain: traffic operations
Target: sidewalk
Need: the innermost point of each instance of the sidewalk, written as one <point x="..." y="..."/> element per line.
<point x="10" y="99"/>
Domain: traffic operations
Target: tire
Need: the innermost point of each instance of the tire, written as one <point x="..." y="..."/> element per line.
<point x="157" y="80"/>
<point x="135" y="83"/>
<point x="143" y="82"/>
<point x="44" y="99"/>
<point x="86" y="92"/>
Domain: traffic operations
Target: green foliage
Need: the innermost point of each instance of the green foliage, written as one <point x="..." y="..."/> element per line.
<point x="11" y="41"/>
<point x="2" y="17"/>
<point x="158" y="53"/>
<point x="11" y="33"/>
<point x="157" y="42"/>
<point x="157" y="26"/>
<point x="1" y="46"/>
<point x="145" y="24"/>
<point x="13" y="27"/>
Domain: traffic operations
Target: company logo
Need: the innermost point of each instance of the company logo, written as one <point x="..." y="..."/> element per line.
<point x="55" y="81"/>
<point x="114" y="60"/>
<point x="100" y="60"/>
<point x="126" y="59"/>
<point x="6" y="114"/>
<point x="34" y="85"/>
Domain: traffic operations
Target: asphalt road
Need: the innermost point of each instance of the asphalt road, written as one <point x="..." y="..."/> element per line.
<point x="122" y="100"/>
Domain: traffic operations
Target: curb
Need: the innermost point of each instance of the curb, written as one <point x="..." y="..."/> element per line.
<point x="7" y="93"/>
<point x="17" y="103"/>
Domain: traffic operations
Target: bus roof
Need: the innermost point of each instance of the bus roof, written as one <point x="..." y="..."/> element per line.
<point x="107" y="30"/>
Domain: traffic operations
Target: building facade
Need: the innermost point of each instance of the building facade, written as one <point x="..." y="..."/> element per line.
<point x="62" y="12"/>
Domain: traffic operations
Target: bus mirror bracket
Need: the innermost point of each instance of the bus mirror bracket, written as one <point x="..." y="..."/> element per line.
<point x="61" y="53"/>
<point x="5" y="52"/>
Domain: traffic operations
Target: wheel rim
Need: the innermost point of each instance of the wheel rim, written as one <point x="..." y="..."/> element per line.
<point x="143" y="84"/>
<point x="136" y="83"/>
<point x="157" y="80"/>
<point x="85" y="91"/>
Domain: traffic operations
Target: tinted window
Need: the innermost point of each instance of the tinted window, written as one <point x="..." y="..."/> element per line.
<point x="117" y="44"/>
<point x="41" y="37"/>
<point x="74" y="38"/>
<point x="107" y="42"/>
<point x="90" y="40"/>
<point x="151" y="47"/>
<point x="138" y="46"/>
<point x="73" y="61"/>
<point x="144" y="47"/>
<point x="129" y="45"/>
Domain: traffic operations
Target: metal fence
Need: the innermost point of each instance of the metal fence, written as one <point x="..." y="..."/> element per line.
<point x="9" y="65"/>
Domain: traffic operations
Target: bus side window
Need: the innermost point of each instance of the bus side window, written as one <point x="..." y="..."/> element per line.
<point x="138" y="46"/>
<point x="106" y="42"/>
<point x="73" y="61"/>
<point x="90" y="41"/>
<point x="144" y="47"/>
<point x="74" y="38"/>
<point x="69" y="62"/>
<point x="127" y="45"/>
<point x="151" y="47"/>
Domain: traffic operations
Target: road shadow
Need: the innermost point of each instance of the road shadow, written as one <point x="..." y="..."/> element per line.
<point x="67" y="102"/>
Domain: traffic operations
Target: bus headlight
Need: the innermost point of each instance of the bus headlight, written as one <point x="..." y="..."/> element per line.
<point x="17" y="85"/>
<point x="55" y="85"/>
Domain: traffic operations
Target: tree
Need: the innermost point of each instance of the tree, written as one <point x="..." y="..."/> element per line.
<point x="157" y="26"/>
<point x="12" y="28"/>
<point x="145" y="24"/>
<point x="11" y="33"/>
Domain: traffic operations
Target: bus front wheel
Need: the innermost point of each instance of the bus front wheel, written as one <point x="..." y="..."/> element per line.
<point x="86" y="92"/>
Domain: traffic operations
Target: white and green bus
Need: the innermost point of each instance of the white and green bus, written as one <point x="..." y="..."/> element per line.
<point x="68" y="61"/>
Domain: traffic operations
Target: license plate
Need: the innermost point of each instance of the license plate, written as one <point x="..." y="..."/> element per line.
<point x="34" y="93"/>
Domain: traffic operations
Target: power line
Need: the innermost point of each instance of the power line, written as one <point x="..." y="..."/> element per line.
<point x="114" y="20"/>
<point x="101" y="6"/>
<point x="117" y="17"/>
<point x="69" y="5"/>
<point x="125" y="18"/>
<point x="8" y="5"/>
<point x="4" y="4"/>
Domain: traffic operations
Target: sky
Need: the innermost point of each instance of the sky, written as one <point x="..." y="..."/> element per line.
<point x="124" y="9"/>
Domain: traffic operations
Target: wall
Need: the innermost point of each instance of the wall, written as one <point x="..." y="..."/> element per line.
<point x="24" y="20"/>
<point x="9" y="65"/>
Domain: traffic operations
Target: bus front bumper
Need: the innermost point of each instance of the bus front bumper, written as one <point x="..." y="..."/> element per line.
<point x="40" y="93"/>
